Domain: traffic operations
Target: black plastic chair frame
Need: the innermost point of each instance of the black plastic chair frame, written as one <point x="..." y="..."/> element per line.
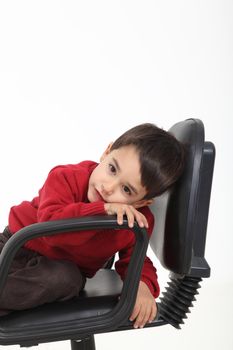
<point x="104" y="322"/>
<point x="179" y="244"/>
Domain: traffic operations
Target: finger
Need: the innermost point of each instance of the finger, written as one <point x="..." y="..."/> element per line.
<point x="130" y="216"/>
<point x="135" y="313"/>
<point x="153" y="313"/>
<point x="146" y="317"/>
<point x="138" y="216"/>
<point x="141" y="219"/>
<point x="120" y="215"/>
<point x="140" y="318"/>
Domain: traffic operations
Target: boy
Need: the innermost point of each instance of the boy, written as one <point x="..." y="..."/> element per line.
<point x="140" y="165"/>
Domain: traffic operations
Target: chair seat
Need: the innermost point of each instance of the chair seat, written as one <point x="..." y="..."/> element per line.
<point x="99" y="297"/>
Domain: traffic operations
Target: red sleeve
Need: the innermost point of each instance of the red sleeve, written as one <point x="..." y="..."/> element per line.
<point x="149" y="273"/>
<point x="60" y="197"/>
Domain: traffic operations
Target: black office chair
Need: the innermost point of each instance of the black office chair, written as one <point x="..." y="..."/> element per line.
<point x="178" y="242"/>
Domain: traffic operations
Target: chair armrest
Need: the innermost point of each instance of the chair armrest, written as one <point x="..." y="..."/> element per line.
<point x="122" y="310"/>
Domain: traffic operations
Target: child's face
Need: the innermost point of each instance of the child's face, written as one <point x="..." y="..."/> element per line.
<point x="117" y="178"/>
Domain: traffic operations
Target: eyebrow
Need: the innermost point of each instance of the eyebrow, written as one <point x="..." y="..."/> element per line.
<point x="119" y="169"/>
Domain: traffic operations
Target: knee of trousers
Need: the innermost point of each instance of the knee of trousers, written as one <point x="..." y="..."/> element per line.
<point x="64" y="275"/>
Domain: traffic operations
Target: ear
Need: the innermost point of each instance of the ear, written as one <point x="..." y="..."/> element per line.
<point x="142" y="203"/>
<point x="106" y="152"/>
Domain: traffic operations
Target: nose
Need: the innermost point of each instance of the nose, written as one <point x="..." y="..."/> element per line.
<point x="108" y="189"/>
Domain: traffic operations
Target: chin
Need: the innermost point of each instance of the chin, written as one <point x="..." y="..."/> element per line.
<point x="92" y="198"/>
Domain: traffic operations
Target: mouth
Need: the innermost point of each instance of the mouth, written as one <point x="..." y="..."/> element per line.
<point x="98" y="196"/>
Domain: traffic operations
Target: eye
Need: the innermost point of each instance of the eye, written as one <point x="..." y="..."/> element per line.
<point x="112" y="169"/>
<point x="127" y="190"/>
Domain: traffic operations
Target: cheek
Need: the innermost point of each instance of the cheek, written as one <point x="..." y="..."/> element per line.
<point x="119" y="197"/>
<point x="97" y="174"/>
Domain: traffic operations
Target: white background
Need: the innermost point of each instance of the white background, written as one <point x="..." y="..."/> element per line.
<point x="76" y="74"/>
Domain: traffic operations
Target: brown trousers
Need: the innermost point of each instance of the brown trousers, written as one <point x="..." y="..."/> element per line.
<point x="35" y="280"/>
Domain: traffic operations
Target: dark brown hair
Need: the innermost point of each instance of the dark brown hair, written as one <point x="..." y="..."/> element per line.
<point x="161" y="156"/>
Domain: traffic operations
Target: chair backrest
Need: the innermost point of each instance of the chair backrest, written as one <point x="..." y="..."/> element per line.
<point x="181" y="214"/>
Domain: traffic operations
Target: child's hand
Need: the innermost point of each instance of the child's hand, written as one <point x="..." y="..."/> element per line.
<point x="124" y="209"/>
<point x="145" y="308"/>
